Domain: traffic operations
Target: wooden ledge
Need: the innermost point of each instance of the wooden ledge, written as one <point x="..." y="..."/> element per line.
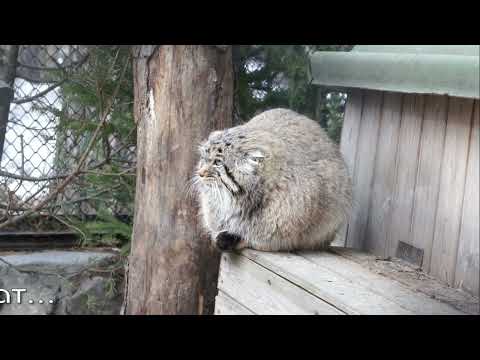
<point x="340" y="281"/>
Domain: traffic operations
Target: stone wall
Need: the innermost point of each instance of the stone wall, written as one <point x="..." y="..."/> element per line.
<point x="61" y="283"/>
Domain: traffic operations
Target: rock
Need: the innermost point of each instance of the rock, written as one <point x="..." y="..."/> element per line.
<point x="60" y="282"/>
<point x="94" y="297"/>
<point x="57" y="259"/>
<point x="34" y="300"/>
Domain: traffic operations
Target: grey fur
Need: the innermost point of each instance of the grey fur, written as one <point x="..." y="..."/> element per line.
<point x="278" y="182"/>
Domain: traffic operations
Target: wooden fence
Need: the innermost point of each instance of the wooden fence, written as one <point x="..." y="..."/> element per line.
<point x="414" y="161"/>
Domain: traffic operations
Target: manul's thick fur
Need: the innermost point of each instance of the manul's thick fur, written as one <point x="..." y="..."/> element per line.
<point x="275" y="183"/>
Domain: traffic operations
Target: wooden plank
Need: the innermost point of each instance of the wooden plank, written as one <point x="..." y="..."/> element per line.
<point x="24" y="240"/>
<point x="364" y="167"/>
<point x="428" y="175"/>
<point x="34" y="234"/>
<point x="350" y="128"/>
<point x="348" y="144"/>
<point x="389" y="289"/>
<point x="467" y="267"/>
<point x="348" y="296"/>
<point x="452" y="182"/>
<point x="384" y="175"/>
<point x="405" y="172"/>
<point x="264" y="292"/>
<point x="414" y="279"/>
<point x="225" y="305"/>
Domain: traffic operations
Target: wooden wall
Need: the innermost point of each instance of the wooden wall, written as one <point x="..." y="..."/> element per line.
<point x="414" y="161"/>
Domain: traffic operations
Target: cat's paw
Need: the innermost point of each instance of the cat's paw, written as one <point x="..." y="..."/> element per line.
<point x="226" y="241"/>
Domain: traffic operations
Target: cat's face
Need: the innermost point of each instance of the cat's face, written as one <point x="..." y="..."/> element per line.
<point x="229" y="161"/>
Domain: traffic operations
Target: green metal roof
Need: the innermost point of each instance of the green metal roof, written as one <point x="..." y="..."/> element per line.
<point x="425" y="69"/>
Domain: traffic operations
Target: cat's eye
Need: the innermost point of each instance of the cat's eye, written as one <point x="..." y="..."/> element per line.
<point x="217" y="162"/>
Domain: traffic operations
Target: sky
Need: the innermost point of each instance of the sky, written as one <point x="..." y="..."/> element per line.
<point x="38" y="130"/>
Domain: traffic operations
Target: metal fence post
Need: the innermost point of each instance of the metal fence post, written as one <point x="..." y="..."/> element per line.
<point x="8" y="64"/>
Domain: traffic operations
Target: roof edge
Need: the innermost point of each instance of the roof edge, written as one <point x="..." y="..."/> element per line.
<point x="453" y="75"/>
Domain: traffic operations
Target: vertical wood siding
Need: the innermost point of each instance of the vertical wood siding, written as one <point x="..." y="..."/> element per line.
<point x="414" y="161"/>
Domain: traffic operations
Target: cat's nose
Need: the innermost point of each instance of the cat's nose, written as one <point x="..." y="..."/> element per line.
<point x="203" y="172"/>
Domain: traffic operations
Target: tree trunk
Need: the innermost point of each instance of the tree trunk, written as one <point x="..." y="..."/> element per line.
<point x="8" y="65"/>
<point x="182" y="93"/>
<point x="236" y="61"/>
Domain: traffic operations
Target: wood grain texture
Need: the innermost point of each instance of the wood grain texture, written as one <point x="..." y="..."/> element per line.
<point x="414" y="279"/>
<point x="406" y="163"/>
<point x="410" y="180"/>
<point x="384" y="176"/>
<point x="467" y="270"/>
<point x="264" y="292"/>
<point x="225" y="305"/>
<point x="428" y="175"/>
<point x="339" y="281"/>
<point x="347" y="295"/>
<point x="451" y="191"/>
<point x="364" y="167"/>
<point x="182" y="93"/>
<point x="350" y="129"/>
<point x="348" y="144"/>
<point x="386" y="287"/>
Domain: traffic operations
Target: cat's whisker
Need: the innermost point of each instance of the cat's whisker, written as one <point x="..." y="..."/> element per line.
<point x="277" y="182"/>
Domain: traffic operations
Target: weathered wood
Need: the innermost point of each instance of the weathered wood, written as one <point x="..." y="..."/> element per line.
<point x="225" y="305"/>
<point x="348" y="143"/>
<point x="467" y="270"/>
<point x="348" y="147"/>
<point x="351" y="125"/>
<point x="414" y="279"/>
<point x="262" y="291"/>
<point x="182" y="93"/>
<point x="384" y="176"/>
<point x="345" y="294"/>
<point x="345" y="280"/>
<point x="364" y="167"/>
<point x="414" y="190"/>
<point x="387" y="288"/>
<point x="428" y="175"/>
<point x="451" y="191"/>
<point x="405" y="172"/>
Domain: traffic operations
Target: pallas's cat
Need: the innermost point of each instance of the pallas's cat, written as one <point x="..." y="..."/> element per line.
<point x="275" y="183"/>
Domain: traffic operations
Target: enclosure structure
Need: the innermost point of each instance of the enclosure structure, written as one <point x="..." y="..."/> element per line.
<point x="341" y="281"/>
<point x="48" y="115"/>
<point x="410" y="139"/>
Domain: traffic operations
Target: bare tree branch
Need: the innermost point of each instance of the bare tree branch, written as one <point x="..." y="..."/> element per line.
<point x="22" y="147"/>
<point x="40" y="94"/>
<point x="63" y="176"/>
<point x="32" y="178"/>
<point x="11" y="121"/>
<point x="63" y="203"/>
<point x="78" y="170"/>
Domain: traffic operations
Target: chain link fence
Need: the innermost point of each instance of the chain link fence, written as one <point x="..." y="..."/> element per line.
<point x="39" y="149"/>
